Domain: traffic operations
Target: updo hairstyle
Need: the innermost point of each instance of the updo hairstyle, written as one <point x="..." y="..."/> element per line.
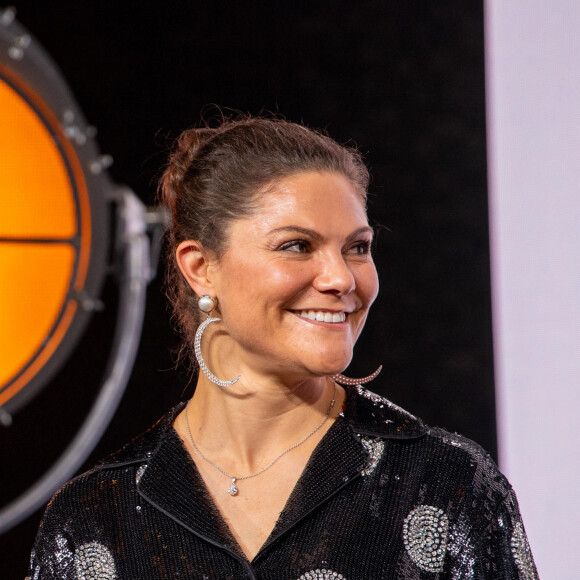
<point x="216" y="176"/>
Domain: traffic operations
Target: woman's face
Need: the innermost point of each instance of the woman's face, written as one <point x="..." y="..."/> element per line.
<point x="297" y="279"/>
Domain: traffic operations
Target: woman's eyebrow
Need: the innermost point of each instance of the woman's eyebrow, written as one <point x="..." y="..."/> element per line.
<point x="363" y="230"/>
<point x="297" y="229"/>
<point x="315" y="235"/>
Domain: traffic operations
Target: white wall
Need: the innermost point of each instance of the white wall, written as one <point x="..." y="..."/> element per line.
<point x="533" y="101"/>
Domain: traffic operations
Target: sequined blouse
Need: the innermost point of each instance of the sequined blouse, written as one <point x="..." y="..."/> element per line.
<point x="382" y="497"/>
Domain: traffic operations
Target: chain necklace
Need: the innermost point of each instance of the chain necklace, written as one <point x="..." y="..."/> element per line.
<point x="233" y="489"/>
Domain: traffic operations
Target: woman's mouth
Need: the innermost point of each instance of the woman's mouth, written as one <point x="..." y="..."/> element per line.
<point x="322" y="315"/>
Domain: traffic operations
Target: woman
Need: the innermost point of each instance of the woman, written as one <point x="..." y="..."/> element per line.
<point x="273" y="470"/>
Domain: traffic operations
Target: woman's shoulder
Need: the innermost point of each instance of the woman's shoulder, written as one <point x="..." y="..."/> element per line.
<point x="443" y="481"/>
<point x="128" y="461"/>
<point x="81" y="519"/>
<point x="430" y="450"/>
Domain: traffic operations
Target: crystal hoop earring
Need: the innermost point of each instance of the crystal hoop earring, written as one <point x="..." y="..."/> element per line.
<point x="207" y="304"/>
<point x="348" y="382"/>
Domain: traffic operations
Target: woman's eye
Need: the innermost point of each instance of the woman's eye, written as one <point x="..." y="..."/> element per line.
<point x="299" y="246"/>
<point x="360" y="248"/>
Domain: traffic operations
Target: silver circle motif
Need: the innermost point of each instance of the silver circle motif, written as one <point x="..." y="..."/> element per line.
<point x="522" y="553"/>
<point x="425" y="534"/>
<point x="322" y="574"/>
<point x="93" y="561"/>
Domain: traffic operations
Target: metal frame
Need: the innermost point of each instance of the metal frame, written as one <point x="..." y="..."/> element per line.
<point x="136" y="273"/>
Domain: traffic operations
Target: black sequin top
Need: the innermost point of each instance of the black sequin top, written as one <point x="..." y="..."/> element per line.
<point x="382" y="497"/>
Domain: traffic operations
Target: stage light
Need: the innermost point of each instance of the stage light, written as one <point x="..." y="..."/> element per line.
<point x="53" y="219"/>
<point x="55" y="243"/>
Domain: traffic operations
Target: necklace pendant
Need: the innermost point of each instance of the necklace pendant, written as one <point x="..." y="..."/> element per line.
<point x="233" y="489"/>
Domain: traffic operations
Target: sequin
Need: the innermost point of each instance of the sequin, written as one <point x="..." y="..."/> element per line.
<point x="375" y="447"/>
<point x="460" y="548"/>
<point x="34" y="568"/>
<point x="322" y="574"/>
<point x="450" y="440"/>
<point x="35" y="573"/>
<point x="93" y="561"/>
<point x="140" y="472"/>
<point x="371" y="396"/>
<point x="62" y="555"/>
<point x="425" y="532"/>
<point x="382" y="402"/>
<point x="522" y="553"/>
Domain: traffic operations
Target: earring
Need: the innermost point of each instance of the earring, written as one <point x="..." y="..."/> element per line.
<point x="348" y="382"/>
<point x="207" y="304"/>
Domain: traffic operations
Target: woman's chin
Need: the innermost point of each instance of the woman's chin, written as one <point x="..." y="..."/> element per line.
<point x="331" y="369"/>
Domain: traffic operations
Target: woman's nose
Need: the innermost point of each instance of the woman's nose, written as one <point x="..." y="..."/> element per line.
<point x="335" y="275"/>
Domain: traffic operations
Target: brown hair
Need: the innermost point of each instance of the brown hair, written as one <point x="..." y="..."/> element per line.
<point x="215" y="176"/>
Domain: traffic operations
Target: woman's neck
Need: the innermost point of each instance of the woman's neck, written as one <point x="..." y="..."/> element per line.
<point x="245" y="425"/>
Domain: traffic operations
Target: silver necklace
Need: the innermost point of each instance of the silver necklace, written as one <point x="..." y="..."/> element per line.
<point x="233" y="489"/>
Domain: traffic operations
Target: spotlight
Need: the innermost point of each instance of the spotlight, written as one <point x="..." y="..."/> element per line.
<point x="55" y="200"/>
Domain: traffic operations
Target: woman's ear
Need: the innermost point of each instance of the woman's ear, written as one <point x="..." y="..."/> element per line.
<point x="194" y="261"/>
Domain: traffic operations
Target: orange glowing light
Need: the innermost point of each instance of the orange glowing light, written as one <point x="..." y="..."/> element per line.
<point x="44" y="234"/>
<point x="35" y="191"/>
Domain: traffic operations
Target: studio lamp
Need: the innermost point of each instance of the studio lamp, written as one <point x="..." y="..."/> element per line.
<point x="55" y="241"/>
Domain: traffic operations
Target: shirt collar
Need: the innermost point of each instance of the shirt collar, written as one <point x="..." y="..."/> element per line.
<point x="364" y="411"/>
<point x="370" y="414"/>
<point x="172" y="484"/>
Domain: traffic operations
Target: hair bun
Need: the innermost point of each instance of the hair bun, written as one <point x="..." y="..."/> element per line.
<point x="183" y="154"/>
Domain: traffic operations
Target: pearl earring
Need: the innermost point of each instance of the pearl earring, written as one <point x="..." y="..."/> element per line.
<point x="207" y="304"/>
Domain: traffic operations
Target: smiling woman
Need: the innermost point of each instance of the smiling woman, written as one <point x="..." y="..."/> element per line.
<point x="305" y="249"/>
<point x="272" y="469"/>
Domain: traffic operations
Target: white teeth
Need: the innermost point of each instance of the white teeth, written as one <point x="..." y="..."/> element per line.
<point x="323" y="316"/>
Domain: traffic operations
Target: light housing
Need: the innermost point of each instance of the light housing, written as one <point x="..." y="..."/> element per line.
<point x="53" y="218"/>
<point x="55" y="200"/>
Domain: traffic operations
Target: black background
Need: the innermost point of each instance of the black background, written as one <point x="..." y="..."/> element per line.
<point x="404" y="79"/>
